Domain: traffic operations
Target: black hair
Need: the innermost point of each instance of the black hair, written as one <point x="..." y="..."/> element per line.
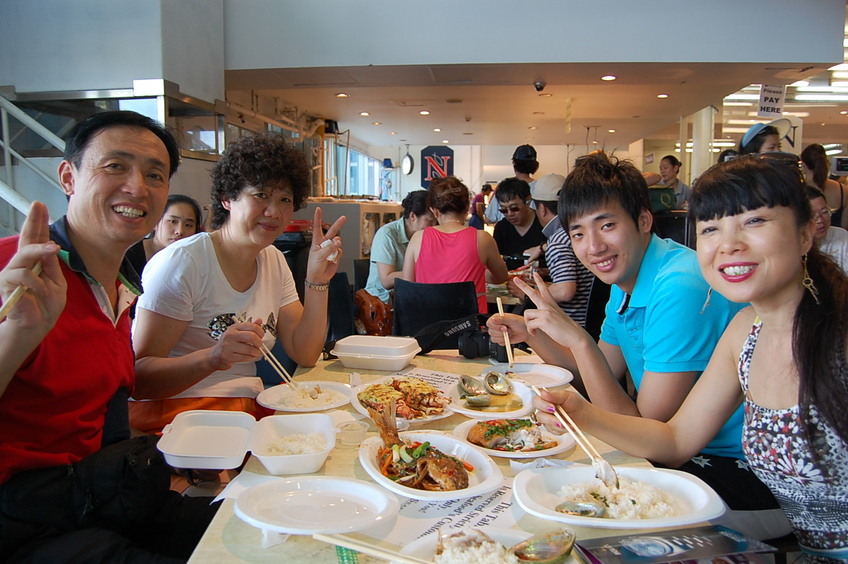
<point x="84" y="131"/>
<point x="510" y="188"/>
<point x="195" y="207"/>
<point x="525" y="166"/>
<point x="415" y="202"/>
<point x="486" y="188"/>
<point x="260" y="161"/>
<point x="448" y="194"/>
<point x="598" y="179"/>
<point x="727" y="155"/>
<point x="819" y="328"/>
<point x="671" y="159"/>
<point x="812" y="193"/>
<point x="815" y="157"/>
<point x="756" y="142"/>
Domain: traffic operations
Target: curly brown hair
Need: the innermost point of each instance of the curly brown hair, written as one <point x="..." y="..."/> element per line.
<point x="448" y="194"/>
<point x="258" y="161"/>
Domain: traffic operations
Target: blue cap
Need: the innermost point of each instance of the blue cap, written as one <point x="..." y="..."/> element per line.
<point x="781" y="124"/>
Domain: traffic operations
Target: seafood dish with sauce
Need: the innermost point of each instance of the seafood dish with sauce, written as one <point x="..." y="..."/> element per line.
<point x="509" y="435"/>
<point x="414" y="398"/>
<point x="416" y="465"/>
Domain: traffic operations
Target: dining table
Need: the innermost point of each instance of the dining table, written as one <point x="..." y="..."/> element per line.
<point x="229" y="539"/>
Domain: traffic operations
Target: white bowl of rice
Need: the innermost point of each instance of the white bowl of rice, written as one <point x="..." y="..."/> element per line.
<point x="293" y="444"/>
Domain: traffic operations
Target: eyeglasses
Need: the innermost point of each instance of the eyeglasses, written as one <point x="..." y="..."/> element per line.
<point x="514" y="209"/>
<point x="823" y="213"/>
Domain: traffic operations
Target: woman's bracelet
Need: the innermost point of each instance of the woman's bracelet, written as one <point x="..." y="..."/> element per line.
<point x="316" y="287"/>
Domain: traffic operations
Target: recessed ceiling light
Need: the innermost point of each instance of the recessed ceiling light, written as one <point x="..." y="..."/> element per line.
<point x="662" y="96"/>
<point x="798" y="83"/>
<point x="377" y="123"/>
<point x="437" y="129"/>
<point x="445" y="141"/>
<point x="342" y="95"/>
<point x="364" y="114"/>
<point x="608" y="77"/>
<point x="532" y="127"/>
<point x="392" y="132"/>
<point x="545" y="95"/>
<point x="610" y="130"/>
<point x="424" y="112"/>
<point x="843" y="112"/>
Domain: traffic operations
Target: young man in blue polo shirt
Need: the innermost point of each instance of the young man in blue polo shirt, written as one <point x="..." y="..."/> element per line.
<point x="657" y="327"/>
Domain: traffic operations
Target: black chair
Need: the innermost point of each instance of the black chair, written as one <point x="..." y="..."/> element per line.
<point x="340" y="308"/>
<point x="595" y="310"/>
<point x="675" y="225"/>
<point x="361" y="267"/>
<point x="418" y="305"/>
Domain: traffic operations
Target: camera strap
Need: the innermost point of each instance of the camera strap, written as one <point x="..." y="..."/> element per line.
<point x="430" y="336"/>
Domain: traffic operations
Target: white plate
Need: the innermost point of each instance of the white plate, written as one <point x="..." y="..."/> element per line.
<point x="315" y="504"/>
<point x="536" y="492"/>
<point x="357" y="405"/>
<point x="565" y="443"/>
<point x="533" y="374"/>
<point x="521" y="390"/>
<point x="486" y="476"/>
<point x="271" y="398"/>
<point x="425" y="547"/>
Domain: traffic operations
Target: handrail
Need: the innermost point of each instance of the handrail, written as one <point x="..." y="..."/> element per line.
<point x="22" y="116"/>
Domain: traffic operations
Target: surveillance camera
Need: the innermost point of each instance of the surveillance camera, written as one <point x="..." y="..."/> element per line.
<point x="539" y="85"/>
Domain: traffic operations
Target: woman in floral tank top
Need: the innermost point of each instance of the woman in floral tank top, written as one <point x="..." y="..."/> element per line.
<point x="784" y="357"/>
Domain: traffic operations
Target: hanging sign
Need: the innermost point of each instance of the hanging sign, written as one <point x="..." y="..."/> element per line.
<point x="771" y="101"/>
<point x="436" y="162"/>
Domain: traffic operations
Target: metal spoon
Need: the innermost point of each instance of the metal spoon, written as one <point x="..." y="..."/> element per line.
<point x="582" y="508"/>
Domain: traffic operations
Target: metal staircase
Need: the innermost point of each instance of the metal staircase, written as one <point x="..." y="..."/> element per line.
<point x="20" y="185"/>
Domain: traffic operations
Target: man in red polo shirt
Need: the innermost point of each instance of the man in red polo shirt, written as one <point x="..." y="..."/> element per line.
<point x="66" y="363"/>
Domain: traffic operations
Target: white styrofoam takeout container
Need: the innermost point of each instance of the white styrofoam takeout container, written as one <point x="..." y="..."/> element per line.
<point x="372" y="352"/>
<point x="219" y="440"/>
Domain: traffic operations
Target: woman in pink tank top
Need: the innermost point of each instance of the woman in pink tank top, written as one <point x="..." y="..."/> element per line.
<point x="450" y="251"/>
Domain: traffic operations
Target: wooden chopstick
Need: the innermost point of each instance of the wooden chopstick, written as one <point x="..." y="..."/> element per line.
<point x="278" y="367"/>
<point x="370" y="549"/>
<point x="574" y="430"/>
<point x="508" y="346"/>
<point x="18" y="293"/>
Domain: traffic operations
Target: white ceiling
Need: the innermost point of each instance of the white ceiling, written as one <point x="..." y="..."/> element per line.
<point x="497" y="104"/>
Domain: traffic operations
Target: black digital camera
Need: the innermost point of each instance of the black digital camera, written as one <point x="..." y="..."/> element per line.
<point x="475" y="343"/>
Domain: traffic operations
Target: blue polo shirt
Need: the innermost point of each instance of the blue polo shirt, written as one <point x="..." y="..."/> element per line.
<point x="662" y="328"/>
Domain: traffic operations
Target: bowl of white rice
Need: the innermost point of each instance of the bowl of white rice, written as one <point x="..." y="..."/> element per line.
<point x="293" y="444"/>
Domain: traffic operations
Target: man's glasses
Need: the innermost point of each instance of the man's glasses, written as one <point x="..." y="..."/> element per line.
<point x="823" y="213"/>
<point x="514" y="209"/>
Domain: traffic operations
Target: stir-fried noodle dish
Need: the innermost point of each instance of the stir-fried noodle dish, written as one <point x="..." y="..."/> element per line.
<point x="414" y="397"/>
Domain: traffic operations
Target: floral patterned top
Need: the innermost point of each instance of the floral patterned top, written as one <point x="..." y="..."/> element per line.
<point x="813" y="492"/>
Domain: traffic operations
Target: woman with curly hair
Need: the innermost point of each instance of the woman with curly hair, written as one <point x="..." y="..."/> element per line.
<point x="783" y="358"/>
<point x="211" y="300"/>
<point x="450" y="251"/>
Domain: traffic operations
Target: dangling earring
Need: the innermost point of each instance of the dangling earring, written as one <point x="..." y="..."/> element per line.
<point x="808" y="282"/>
<point x="707" y="301"/>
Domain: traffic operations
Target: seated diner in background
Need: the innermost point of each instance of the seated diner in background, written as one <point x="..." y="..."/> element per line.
<point x="519" y="231"/>
<point x="74" y="487"/>
<point x="478" y="207"/>
<point x="182" y="218"/>
<point x="782" y="358"/>
<point x="211" y="301"/>
<point x="832" y="241"/>
<point x="450" y="251"/>
<point x="657" y="326"/>
<point x="389" y="245"/>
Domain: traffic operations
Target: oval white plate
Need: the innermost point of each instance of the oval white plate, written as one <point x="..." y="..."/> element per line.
<point x="521" y="390"/>
<point x="315" y="504"/>
<point x="357" y="405"/>
<point x="425" y="547"/>
<point x="533" y="374"/>
<point x="271" y="398"/>
<point x="536" y="492"/>
<point x="486" y="476"/>
<point x="565" y="442"/>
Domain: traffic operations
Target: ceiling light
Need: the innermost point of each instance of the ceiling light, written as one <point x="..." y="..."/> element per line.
<point x="392" y="132"/>
<point x="445" y="141"/>
<point x="342" y="95"/>
<point x="610" y="130"/>
<point x="437" y="129"/>
<point x="740" y="96"/>
<point x="831" y="145"/>
<point x="364" y="114"/>
<point x="545" y="95"/>
<point x="743" y="121"/>
<point x="824" y="89"/>
<point x="717" y="143"/>
<point x="662" y="96"/>
<point x="843" y="112"/>
<point x="377" y="123"/>
<point x="799" y="83"/>
<point x="797" y="114"/>
<point x="424" y="112"/>
<point x="833" y="152"/>
<point x="743" y="104"/>
<point x="608" y="77"/>
<point x="822" y="97"/>
<point x="839" y="67"/>
<point x="532" y="127"/>
<point x="538" y="113"/>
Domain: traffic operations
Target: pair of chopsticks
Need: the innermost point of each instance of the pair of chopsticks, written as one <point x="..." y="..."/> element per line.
<point x="278" y="367"/>
<point x="18" y="293"/>
<point x="506" y="335"/>
<point x="370" y="549"/>
<point x="569" y="425"/>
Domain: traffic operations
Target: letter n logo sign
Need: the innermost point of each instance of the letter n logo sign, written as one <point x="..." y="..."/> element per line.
<point x="436" y="162"/>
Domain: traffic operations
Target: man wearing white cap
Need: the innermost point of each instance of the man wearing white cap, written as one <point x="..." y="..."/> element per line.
<point x="571" y="281"/>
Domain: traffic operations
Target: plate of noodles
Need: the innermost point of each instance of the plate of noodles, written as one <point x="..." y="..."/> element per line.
<point x="417" y="401"/>
<point x="308" y="396"/>
<point x="646" y="498"/>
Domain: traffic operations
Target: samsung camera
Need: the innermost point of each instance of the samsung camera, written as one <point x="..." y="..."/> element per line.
<point x="475" y="343"/>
